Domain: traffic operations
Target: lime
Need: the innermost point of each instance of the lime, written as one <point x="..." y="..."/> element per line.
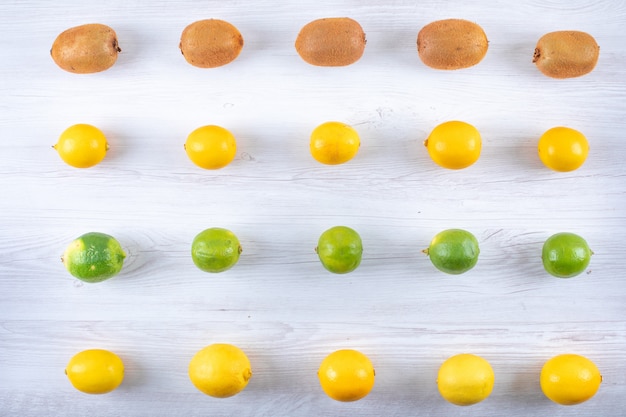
<point x="465" y="379"/>
<point x="339" y="249"/>
<point x="215" y="250"/>
<point x="95" y="371"/>
<point x="94" y="257"/>
<point x="565" y="255"/>
<point x="453" y="251"/>
<point x="220" y="370"/>
<point x="346" y="375"/>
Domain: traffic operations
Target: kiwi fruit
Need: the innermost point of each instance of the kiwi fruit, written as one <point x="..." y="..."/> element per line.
<point x="86" y="49"/>
<point x="331" y="42"/>
<point x="451" y="44"/>
<point x="210" y="43"/>
<point x="566" y="54"/>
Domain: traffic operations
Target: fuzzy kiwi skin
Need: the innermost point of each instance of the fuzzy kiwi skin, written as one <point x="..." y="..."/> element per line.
<point x="86" y="49"/>
<point x="331" y="42"/>
<point x="452" y="44"/>
<point x="566" y="54"/>
<point x="210" y="43"/>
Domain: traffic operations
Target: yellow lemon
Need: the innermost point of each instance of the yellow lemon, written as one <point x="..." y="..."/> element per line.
<point x="211" y="147"/>
<point x="563" y="149"/>
<point x="95" y="371"/>
<point x="346" y="375"/>
<point x="454" y="145"/>
<point x="334" y="143"/>
<point x="465" y="379"/>
<point x="82" y="146"/>
<point x="569" y="379"/>
<point x="220" y="370"/>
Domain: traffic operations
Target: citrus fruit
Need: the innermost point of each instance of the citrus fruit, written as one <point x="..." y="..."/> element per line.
<point x="453" y="251"/>
<point x="95" y="371"/>
<point x="563" y="149"/>
<point x="346" y="375"/>
<point x="220" y="370"/>
<point x="569" y="379"/>
<point x="215" y="250"/>
<point x="94" y="257"/>
<point x="465" y="379"/>
<point x="565" y="255"/>
<point x="454" y="145"/>
<point x="339" y="249"/>
<point x="334" y="143"/>
<point x="82" y="146"/>
<point x="211" y="147"/>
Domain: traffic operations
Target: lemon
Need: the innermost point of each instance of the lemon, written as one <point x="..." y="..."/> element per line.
<point x="339" y="249"/>
<point x="563" y="149"/>
<point x="453" y="251"/>
<point x="465" y="379"/>
<point x="220" y="370"/>
<point x="334" y="143"/>
<point x="215" y="250"/>
<point x="565" y="255"/>
<point x="95" y="371"/>
<point x="211" y="147"/>
<point x="94" y="257"/>
<point x="346" y="375"/>
<point x="454" y="145"/>
<point x="82" y="146"/>
<point x="570" y="379"/>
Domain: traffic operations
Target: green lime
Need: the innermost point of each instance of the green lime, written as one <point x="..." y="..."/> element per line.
<point x="453" y="251"/>
<point x="215" y="250"/>
<point x="94" y="257"/>
<point x="565" y="255"/>
<point x="339" y="249"/>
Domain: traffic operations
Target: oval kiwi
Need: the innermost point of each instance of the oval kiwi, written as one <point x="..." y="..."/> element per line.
<point x="451" y="44"/>
<point x="566" y="54"/>
<point x="210" y="43"/>
<point x="331" y="42"/>
<point x="86" y="49"/>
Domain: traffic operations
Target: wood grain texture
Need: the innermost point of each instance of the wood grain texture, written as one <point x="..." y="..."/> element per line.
<point x="278" y="304"/>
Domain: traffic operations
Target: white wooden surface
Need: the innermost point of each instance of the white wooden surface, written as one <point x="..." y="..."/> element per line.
<point x="278" y="304"/>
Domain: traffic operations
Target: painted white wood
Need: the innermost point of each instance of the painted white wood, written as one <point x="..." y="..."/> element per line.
<point x="278" y="304"/>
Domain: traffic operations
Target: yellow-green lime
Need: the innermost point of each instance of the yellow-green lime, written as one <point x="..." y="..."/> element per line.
<point x="565" y="255"/>
<point x="215" y="250"/>
<point x="340" y="249"/>
<point x="453" y="251"/>
<point x="94" y="257"/>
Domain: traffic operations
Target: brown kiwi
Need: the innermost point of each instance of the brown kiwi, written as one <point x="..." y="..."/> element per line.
<point x="451" y="44"/>
<point x="566" y="54"/>
<point x="86" y="49"/>
<point x="210" y="43"/>
<point x="331" y="42"/>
